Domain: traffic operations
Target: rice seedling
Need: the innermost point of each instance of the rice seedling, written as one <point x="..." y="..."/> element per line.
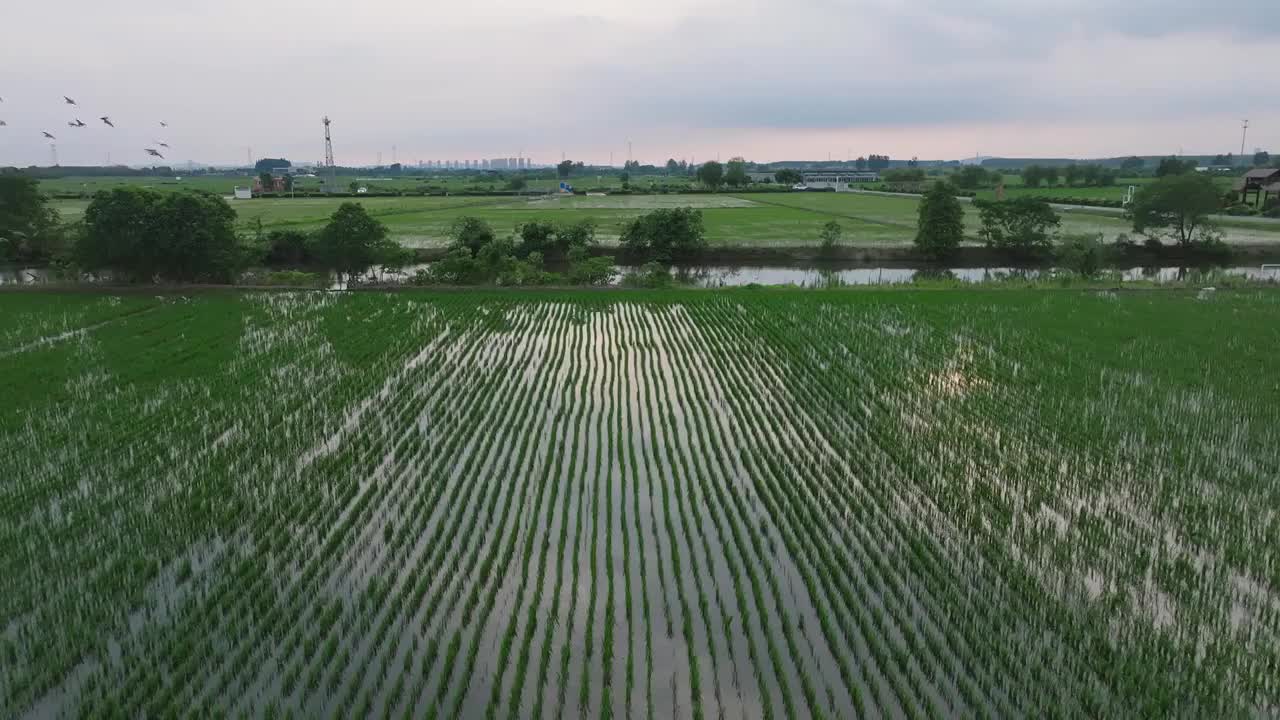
<point x="921" y="504"/>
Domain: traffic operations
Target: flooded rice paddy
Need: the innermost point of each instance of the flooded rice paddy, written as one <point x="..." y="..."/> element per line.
<point x="666" y="505"/>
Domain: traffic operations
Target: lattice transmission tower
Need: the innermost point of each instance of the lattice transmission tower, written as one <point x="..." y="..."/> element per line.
<point x="328" y="156"/>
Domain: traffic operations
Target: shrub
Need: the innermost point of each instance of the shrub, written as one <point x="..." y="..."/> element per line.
<point x="649" y="275"/>
<point x="1082" y="254"/>
<point x="830" y="235"/>
<point x="288" y="247"/>
<point x="585" y="270"/>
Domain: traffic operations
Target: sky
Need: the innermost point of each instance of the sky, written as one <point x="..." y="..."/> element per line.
<point x="691" y="79"/>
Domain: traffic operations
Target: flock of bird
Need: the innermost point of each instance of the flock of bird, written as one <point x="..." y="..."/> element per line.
<point x="106" y="120"/>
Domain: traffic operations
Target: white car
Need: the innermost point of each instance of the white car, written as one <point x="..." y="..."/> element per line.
<point x="799" y="186"/>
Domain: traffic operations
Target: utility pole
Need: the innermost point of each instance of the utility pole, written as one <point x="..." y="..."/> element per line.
<point x="53" y="153"/>
<point x="1244" y="131"/>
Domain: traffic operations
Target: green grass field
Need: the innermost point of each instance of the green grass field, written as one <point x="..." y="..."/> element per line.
<point x="746" y="220"/>
<point x="640" y="504"/>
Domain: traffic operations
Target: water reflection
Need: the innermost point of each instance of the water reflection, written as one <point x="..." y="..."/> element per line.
<point x="734" y="276"/>
<point x="711" y="276"/>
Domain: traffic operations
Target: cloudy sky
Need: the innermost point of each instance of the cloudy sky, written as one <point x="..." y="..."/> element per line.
<point x="767" y="79"/>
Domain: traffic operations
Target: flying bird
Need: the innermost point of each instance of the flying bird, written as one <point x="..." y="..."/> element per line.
<point x="164" y="124"/>
<point x="163" y="145"/>
<point x="156" y="153"/>
<point x="107" y="120"/>
<point x="69" y="100"/>
<point x="3" y="123"/>
<point x="77" y="123"/>
<point x="50" y="136"/>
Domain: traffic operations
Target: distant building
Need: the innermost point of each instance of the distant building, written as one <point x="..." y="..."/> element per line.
<point x="838" y="180"/>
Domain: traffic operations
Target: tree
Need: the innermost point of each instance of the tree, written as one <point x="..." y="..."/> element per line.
<point x="711" y="174"/>
<point x="471" y="233"/>
<point x="666" y="234"/>
<point x="904" y="175"/>
<point x="736" y="172"/>
<point x="672" y="166"/>
<point x="29" y="229"/>
<point x="830" y="234"/>
<point x="914" y="162"/>
<point x="941" y="222"/>
<point x="266" y="181"/>
<point x="970" y="177"/>
<point x="1261" y="158"/>
<point x="1023" y="225"/>
<point x="564" y="169"/>
<point x="1051" y="174"/>
<point x="142" y="235"/>
<point x="353" y="240"/>
<point x="1173" y="166"/>
<point x="269" y="164"/>
<point x="1176" y="206"/>
<point x="517" y="184"/>
<point x="860" y="163"/>
<point x="787" y="176"/>
<point x="1133" y="163"/>
<point x="631" y="165"/>
<point x="1072" y="174"/>
<point x="877" y="162"/>
<point x="1032" y="176"/>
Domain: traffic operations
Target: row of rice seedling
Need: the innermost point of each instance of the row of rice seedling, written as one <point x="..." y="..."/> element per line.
<point x="757" y="504"/>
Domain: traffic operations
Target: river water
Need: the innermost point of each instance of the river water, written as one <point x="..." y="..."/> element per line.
<point x="710" y="276"/>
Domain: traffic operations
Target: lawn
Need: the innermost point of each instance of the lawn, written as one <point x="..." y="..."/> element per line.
<point x="768" y="503"/>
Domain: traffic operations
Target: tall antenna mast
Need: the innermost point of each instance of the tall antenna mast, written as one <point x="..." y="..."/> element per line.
<point x="53" y="153"/>
<point x="331" y="183"/>
<point x="328" y="144"/>
<point x="1244" y="131"/>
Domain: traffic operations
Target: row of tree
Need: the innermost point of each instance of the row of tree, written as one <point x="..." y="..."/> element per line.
<point x="1174" y="207"/>
<point x="1071" y="175"/>
<point x="141" y="235"/>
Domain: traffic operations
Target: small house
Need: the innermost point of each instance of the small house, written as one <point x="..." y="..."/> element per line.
<point x="1264" y="183"/>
